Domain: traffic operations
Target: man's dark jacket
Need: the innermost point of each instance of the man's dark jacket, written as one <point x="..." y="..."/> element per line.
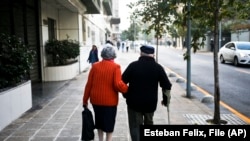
<point x="143" y="77"/>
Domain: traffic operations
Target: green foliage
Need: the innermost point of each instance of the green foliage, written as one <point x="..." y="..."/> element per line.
<point x="163" y="15"/>
<point x="132" y="32"/>
<point x="156" y="14"/>
<point x="124" y="35"/>
<point x="61" y="51"/>
<point x="205" y="16"/>
<point x="15" y="61"/>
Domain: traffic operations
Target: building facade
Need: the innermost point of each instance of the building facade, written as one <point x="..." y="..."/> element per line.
<point x="37" y="21"/>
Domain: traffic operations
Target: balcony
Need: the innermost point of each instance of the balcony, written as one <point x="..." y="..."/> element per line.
<point x="93" y="6"/>
<point x="115" y="20"/>
<point x="108" y="6"/>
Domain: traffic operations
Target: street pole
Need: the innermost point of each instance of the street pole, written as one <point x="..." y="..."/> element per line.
<point x="133" y="33"/>
<point x="157" y="36"/>
<point x="189" y="54"/>
<point x="219" y="34"/>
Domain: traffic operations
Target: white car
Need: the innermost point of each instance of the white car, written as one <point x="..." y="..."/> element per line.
<point x="237" y="52"/>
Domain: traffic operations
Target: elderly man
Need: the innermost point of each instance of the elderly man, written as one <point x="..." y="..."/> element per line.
<point x="143" y="77"/>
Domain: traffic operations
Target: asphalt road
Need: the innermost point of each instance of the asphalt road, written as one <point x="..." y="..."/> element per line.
<point x="234" y="81"/>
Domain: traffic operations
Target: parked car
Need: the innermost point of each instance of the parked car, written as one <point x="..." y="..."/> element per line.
<point x="237" y="52"/>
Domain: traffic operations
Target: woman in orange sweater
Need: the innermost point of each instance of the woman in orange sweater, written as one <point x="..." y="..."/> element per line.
<point x="102" y="88"/>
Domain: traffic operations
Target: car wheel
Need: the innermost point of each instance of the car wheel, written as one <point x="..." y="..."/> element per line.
<point x="222" y="59"/>
<point x="236" y="61"/>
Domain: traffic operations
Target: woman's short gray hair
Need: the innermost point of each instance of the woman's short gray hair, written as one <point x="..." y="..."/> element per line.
<point x="108" y="52"/>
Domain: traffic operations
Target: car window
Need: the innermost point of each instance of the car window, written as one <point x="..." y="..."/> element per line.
<point x="243" y="46"/>
<point x="230" y="45"/>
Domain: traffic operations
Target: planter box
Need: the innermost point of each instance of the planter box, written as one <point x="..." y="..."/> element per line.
<point x="14" y="102"/>
<point x="60" y="73"/>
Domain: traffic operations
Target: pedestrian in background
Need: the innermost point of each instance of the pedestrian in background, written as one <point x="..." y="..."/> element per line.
<point x="102" y="88"/>
<point x="118" y="45"/>
<point x="143" y="77"/>
<point x="127" y="48"/>
<point x="123" y="46"/>
<point x="93" y="55"/>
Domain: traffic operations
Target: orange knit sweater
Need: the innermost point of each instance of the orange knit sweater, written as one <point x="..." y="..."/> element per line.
<point x="103" y="84"/>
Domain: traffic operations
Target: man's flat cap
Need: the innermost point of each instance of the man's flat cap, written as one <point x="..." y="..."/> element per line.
<point x="147" y="49"/>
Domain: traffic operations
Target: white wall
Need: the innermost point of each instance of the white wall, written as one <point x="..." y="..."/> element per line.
<point x="241" y="36"/>
<point x="14" y="102"/>
<point x="47" y="11"/>
<point x="68" y="25"/>
<point x="71" y="23"/>
<point x="96" y="24"/>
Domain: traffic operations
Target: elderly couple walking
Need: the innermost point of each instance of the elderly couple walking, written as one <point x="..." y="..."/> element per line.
<point x="138" y="84"/>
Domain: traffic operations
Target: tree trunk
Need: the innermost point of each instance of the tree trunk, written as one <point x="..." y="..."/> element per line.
<point x="216" y="119"/>
<point x="216" y="68"/>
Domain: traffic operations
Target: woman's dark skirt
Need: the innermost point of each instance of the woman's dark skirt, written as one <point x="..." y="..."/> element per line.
<point x="105" y="117"/>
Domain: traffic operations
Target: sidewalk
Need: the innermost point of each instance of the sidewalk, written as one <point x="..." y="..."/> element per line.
<point x="57" y="116"/>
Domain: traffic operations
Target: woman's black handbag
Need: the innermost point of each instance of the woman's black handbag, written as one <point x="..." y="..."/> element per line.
<point x="88" y="125"/>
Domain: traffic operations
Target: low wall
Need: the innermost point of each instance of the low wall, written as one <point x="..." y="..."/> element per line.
<point x="60" y="73"/>
<point x="14" y="102"/>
